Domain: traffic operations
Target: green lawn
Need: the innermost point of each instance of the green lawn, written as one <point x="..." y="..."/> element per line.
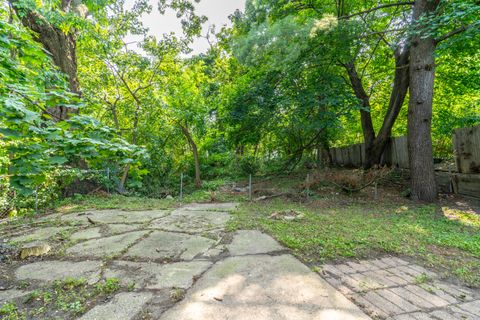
<point x="360" y="230"/>
<point x="335" y="227"/>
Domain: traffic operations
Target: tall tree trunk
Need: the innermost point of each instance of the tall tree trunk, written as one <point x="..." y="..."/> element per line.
<point x="196" y="157"/>
<point x="375" y="145"/>
<point x="60" y="45"/>
<point x="422" y="77"/>
<point x="123" y="179"/>
<point x="397" y="98"/>
<point x="366" y="118"/>
<point x="324" y="157"/>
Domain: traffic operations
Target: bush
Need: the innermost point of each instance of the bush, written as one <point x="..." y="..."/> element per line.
<point x="248" y="165"/>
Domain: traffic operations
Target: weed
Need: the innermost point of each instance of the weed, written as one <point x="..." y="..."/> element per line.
<point x="67" y="298"/>
<point x="177" y="294"/>
<point x="23" y="284"/>
<point x="423" y="278"/>
<point x="363" y="230"/>
<point x="109" y="286"/>
<point x="9" y="311"/>
<point x="131" y="286"/>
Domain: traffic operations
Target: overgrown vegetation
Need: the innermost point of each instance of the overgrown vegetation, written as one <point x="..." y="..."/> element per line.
<point x="333" y="230"/>
<point x="88" y="121"/>
<point x="62" y="299"/>
<point x="82" y="111"/>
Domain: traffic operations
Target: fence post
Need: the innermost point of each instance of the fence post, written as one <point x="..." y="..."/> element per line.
<point x="181" y="186"/>
<point x="36" y="200"/>
<point x="108" y="179"/>
<point x="250" y="187"/>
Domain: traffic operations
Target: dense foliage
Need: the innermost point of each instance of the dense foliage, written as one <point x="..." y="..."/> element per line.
<point x="286" y="82"/>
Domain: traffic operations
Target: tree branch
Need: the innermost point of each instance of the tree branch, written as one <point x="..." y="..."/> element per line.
<point x="453" y="33"/>
<point x="411" y="3"/>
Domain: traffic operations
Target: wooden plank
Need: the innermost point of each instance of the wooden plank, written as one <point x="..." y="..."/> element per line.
<point x="444" y="181"/>
<point x="356" y="155"/>
<point x="400" y="152"/>
<point x="466" y="142"/>
<point x="467" y="184"/>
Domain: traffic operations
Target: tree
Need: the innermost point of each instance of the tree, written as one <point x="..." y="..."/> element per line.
<point x="30" y="85"/>
<point x="56" y="38"/>
<point x="186" y="105"/>
<point x="422" y="74"/>
<point x="430" y="16"/>
<point x="353" y="41"/>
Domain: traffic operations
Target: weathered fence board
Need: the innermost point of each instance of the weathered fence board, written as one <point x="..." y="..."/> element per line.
<point x="396" y="154"/>
<point x="466" y="179"/>
<point x="399" y="152"/>
<point x="466" y="143"/>
<point x="466" y="184"/>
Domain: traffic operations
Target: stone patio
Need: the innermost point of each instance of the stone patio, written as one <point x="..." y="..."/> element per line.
<point x="245" y="275"/>
<point x="393" y="288"/>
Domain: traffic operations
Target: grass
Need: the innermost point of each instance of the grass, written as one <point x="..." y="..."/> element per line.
<point x="363" y="230"/>
<point x="332" y="226"/>
<point x="82" y="203"/>
<point x="65" y="299"/>
<point x="92" y="202"/>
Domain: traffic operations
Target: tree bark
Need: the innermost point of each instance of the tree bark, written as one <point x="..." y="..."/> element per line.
<point x="61" y="47"/>
<point x="422" y="77"/>
<point x="375" y="145"/>
<point x="397" y="98"/>
<point x="196" y="157"/>
<point x="366" y="118"/>
<point x="123" y="180"/>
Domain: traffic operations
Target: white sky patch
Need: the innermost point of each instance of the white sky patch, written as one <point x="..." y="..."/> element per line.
<point x="217" y="12"/>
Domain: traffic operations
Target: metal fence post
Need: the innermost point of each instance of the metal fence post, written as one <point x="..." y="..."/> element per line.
<point x="250" y="187"/>
<point x="36" y="200"/>
<point x="108" y="179"/>
<point x="181" y="186"/>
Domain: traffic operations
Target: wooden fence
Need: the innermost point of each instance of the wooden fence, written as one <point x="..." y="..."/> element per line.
<point x="463" y="178"/>
<point x="396" y="154"/>
<point x="466" y="143"/>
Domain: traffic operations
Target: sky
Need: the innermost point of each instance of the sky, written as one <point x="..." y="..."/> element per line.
<point x="217" y="12"/>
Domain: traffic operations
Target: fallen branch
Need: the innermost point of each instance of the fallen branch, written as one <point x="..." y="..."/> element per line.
<point x="272" y="196"/>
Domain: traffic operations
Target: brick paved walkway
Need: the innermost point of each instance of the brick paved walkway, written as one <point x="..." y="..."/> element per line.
<point x="392" y="288"/>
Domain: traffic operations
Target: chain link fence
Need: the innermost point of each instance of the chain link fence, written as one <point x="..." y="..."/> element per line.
<point x="7" y="197"/>
<point x="44" y="194"/>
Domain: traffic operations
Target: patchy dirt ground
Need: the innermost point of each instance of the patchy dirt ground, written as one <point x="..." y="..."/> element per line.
<point x="183" y="264"/>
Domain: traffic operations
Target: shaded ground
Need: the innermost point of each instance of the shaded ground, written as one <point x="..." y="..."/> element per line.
<point x="336" y="226"/>
<point x="115" y="264"/>
<point x="196" y="262"/>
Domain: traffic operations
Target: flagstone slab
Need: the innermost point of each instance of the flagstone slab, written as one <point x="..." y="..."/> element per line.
<point x="170" y="245"/>
<point x="122" y="228"/>
<point x="252" y="242"/>
<point x="87" y="234"/>
<point x="124" y="306"/>
<point x="60" y="270"/>
<point x="38" y="234"/>
<point x="104" y="247"/>
<point x="263" y="287"/>
<point x="192" y="221"/>
<point x="9" y="295"/>
<point x="115" y="216"/>
<point x="155" y="276"/>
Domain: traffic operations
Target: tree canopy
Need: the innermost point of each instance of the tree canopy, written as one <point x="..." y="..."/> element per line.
<point x="287" y="81"/>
